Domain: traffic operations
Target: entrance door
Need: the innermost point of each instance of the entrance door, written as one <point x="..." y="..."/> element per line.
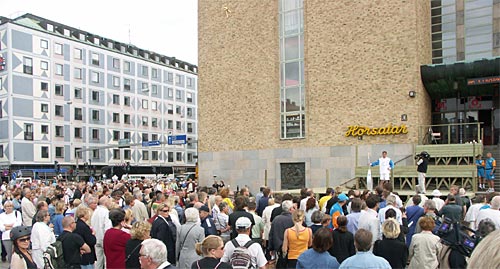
<point x="485" y="116"/>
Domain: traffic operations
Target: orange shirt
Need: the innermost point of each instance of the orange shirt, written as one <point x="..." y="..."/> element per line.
<point x="297" y="245"/>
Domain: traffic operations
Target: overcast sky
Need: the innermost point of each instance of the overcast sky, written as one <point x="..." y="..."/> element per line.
<point x="168" y="27"/>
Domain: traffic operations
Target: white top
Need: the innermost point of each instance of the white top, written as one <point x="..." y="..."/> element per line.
<point x="381" y="214"/>
<point x="258" y="257"/>
<point x="369" y="221"/>
<point x="303" y="203"/>
<point x="492" y="214"/>
<point x="29" y="211"/>
<point x="100" y="223"/>
<point x="9" y="219"/>
<point x="384" y="165"/>
<point x="472" y="213"/>
<point x="439" y="203"/>
<point x="41" y="237"/>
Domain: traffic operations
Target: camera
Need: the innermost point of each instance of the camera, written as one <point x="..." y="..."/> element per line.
<point x="457" y="236"/>
<point x="423" y="155"/>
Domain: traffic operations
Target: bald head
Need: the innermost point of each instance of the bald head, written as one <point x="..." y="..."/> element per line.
<point x="67" y="222"/>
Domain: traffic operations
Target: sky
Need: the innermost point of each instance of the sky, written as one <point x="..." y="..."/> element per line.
<point x="167" y="27"/>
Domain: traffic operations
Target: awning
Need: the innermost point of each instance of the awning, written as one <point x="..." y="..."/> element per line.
<point x="439" y="79"/>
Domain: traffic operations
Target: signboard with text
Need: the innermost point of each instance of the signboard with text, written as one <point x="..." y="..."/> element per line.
<point x="177" y="139"/>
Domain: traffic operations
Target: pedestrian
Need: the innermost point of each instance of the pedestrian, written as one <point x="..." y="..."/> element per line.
<point x="364" y="258"/>
<point x="140" y="231"/>
<point x="337" y="210"/>
<point x="101" y="223"/>
<point x="165" y="230"/>
<point x="386" y="165"/>
<point x="343" y="241"/>
<point x="278" y="227"/>
<point x="390" y="248"/>
<point x="115" y="240"/>
<point x="480" y="171"/>
<point x="188" y="235"/>
<point x="489" y="171"/>
<point x="425" y="247"/>
<point x="296" y="239"/>
<point x="41" y="237"/>
<point x="422" y="163"/>
<point x="212" y="249"/>
<point x="22" y="256"/>
<point x="73" y="244"/>
<point x="9" y="219"/>
<point x="84" y="230"/>
<point x="318" y="256"/>
<point x="153" y="255"/>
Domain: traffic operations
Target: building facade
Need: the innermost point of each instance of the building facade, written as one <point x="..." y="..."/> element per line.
<point x="296" y="93"/>
<point x="72" y="97"/>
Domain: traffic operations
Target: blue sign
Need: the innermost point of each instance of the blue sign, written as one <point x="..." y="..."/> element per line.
<point x="151" y="143"/>
<point x="177" y="139"/>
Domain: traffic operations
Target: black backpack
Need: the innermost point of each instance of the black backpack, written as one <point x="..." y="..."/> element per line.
<point x="53" y="256"/>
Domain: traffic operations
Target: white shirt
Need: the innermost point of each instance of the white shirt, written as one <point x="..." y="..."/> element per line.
<point x="41" y="237"/>
<point x="472" y="213"/>
<point x="381" y="214"/>
<point x="439" y="203"/>
<point x="384" y="165"/>
<point x="100" y="223"/>
<point x="140" y="211"/>
<point x="303" y="203"/>
<point x="492" y="214"/>
<point x="369" y="221"/>
<point x="9" y="219"/>
<point x="258" y="257"/>
<point x="29" y="211"/>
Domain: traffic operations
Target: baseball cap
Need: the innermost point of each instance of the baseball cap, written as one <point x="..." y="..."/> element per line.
<point x="342" y="197"/>
<point x="243" y="222"/>
<point x="204" y="208"/>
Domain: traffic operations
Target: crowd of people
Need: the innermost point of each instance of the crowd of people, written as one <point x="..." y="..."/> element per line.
<point x="156" y="224"/>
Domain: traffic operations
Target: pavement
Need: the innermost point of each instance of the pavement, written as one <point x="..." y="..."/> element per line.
<point x="4" y="265"/>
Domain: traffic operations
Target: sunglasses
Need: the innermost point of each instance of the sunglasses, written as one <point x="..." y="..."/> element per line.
<point x="165" y="210"/>
<point x="26" y="239"/>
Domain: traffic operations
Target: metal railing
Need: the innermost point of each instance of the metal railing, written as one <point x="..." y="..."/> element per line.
<point x="453" y="133"/>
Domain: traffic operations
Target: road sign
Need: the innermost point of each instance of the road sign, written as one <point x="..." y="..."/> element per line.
<point x="124" y="143"/>
<point x="151" y="143"/>
<point x="177" y="139"/>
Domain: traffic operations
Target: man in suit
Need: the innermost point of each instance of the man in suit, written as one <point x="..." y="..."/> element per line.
<point x="27" y="207"/>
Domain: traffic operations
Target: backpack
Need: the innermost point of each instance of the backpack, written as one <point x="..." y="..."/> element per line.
<point x="53" y="256"/>
<point x="241" y="257"/>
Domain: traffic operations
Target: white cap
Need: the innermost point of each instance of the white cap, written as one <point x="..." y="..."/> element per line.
<point x="243" y="222"/>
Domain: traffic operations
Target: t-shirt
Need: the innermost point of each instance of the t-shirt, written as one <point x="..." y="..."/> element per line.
<point x="236" y="215"/>
<point x="71" y="244"/>
<point x="114" y="243"/>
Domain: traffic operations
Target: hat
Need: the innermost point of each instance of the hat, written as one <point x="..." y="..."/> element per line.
<point x="19" y="231"/>
<point x="204" y="208"/>
<point x="436" y="192"/>
<point x="243" y="223"/>
<point x="342" y="197"/>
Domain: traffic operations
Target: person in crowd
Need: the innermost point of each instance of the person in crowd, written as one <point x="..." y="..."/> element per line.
<point x="364" y="258"/>
<point x="153" y="255"/>
<point x="127" y="222"/>
<point x="58" y="227"/>
<point x="480" y="171"/>
<point x="369" y="219"/>
<point x="429" y="211"/>
<point x="425" y="246"/>
<point x="278" y="210"/>
<point x="491" y="213"/>
<point x="258" y="228"/>
<point x="189" y="235"/>
<point x="9" y="219"/>
<point x="451" y="209"/>
<point x="139" y="232"/>
<point x="337" y="210"/>
<point x="165" y="230"/>
<point x="115" y="240"/>
<point x="323" y="200"/>
<point x="353" y="217"/>
<point x="224" y="193"/>
<point x="343" y="241"/>
<point x="73" y="244"/>
<point x="263" y="201"/>
<point x="296" y="239"/>
<point x="40" y="205"/>
<point x="17" y="200"/>
<point x="243" y="225"/>
<point x="390" y="204"/>
<point x="485" y="227"/>
<point x="100" y="222"/>
<point x="391" y="214"/>
<point x="316" y="219"/>
<point x="41" y="237"/>
<point x="413" y="213"/>
<point x="437" y="199"/>
<point x="212" y="249"/>
<point x="207" y="223"/>
<point x="223" y="222"/>
<point x="423" y="198"/>
<point x="22" y="256"/>
<point x="276" y="234"/>
<point x="310" y="209"/>
<point x="266" y="215"/>
<point x="487" y="253"/>
<point x="27" y="207"/>
<point x="390" y="248"/>
<point x="386" y="165"/>
<point x="471" y="215"/>
<point x="489" y="171"/>
<point x="138" y="208"/>
<point x="318" y="256"/>
<point x="465" y="199"/>
<point x="239" y="211"/>
<point x="83" y="229"/>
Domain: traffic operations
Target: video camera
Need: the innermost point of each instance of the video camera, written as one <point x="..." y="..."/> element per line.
<point x="457" y="236"/>
<point x="423" y="155"/>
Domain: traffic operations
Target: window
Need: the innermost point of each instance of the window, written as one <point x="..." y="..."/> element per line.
<point x="145" y="137"/>
<point x="170" y="157"/>
<point x="78" y="153"/>
<point x="116" y="81"/>
<point x="170" y="77"/>
<point x="44" y="65"/>
<point x="170" y="124"/>
<point x="95" y="154"/>
<point x="94" y="76"/>
<point x="59" y="152"/>
<point x="170" y="109"/>
<point x="189" y="112"/>
<point x="45" y="152"/>
<point x="154" y="105"/>
<point x="78" y="93"/>
<point x="170" y="93"/>
<point x="126" y="118"/>
<point x="154" y="89"/>
<point x="189" y="127"/>
<point x="44" y="129"/>
<point x="58" y="111"/>
<point x="144" y="70"/>
<point x="116" y="117"/>
<point x="145" y="155"/>
<point x="44" y="44"/>
<point x="58" y="90"/>
<point x="28" y="131"/>
<point x="126" y="135"/>
<point x="58" y="48"/>
<point x="144" y="121"/>
<point x="126" y="154"/>
<point x="178" y="94"/>
<point x="116" y="135"/>
<point x="116" y="154"/>
<point x="154" y="137"/>
<point x="116" y="63"/>
<point x="1" y="151"/>
<point x="178" y="156"/>
<point x="78" y="54"/>
<point x="126" y="84"/>
<point x="189" y="97"/>
<point x="178" y="125"/>
<point x="27" y="65"/>
<point x="178" y="110"/>
<point x="95" y="134"/>
<point x="78" y="132"/>
<point x="59" y="131"/>
<point x="59" y="69"/>
<point x="77" y="73"/>
<point x="78" y="113"/>
<point x="95" y="115"/>
<point x="189" y="82"/>
<point x="45" y="108"/>
<point x="154" y="155"/>
<point x="178" y="80"/>
<point x="95" y="58"/>
<point x="144" y="104"/>
<point x="154" y="73"/>
<point x="126" y="100"/>
<point x="126" y="66"/>
<point x="95" y="96"/>
<point x="116" y="99"/>
<point x="44" y="86"/>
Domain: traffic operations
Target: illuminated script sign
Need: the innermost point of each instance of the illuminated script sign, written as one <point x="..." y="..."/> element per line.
<point x="481" y="81"/>
<point x="355" y="130"/>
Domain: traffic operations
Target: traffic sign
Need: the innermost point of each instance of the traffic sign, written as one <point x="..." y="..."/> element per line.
<point x="177" y="139"/>
<point x="151" y="143"/>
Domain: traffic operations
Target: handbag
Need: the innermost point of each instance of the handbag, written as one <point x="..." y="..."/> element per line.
<point x="184" y="240"/>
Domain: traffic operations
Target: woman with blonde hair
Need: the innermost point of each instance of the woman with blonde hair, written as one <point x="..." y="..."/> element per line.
<point x="127" y="223"/>
<point x="390" y="247"/>
<point x="84" y="230"/>
<point x="296" y="239"/>
<point x="224" y="193"/>
<point x="139" y="232"/>
<point x="212" y="249"/>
